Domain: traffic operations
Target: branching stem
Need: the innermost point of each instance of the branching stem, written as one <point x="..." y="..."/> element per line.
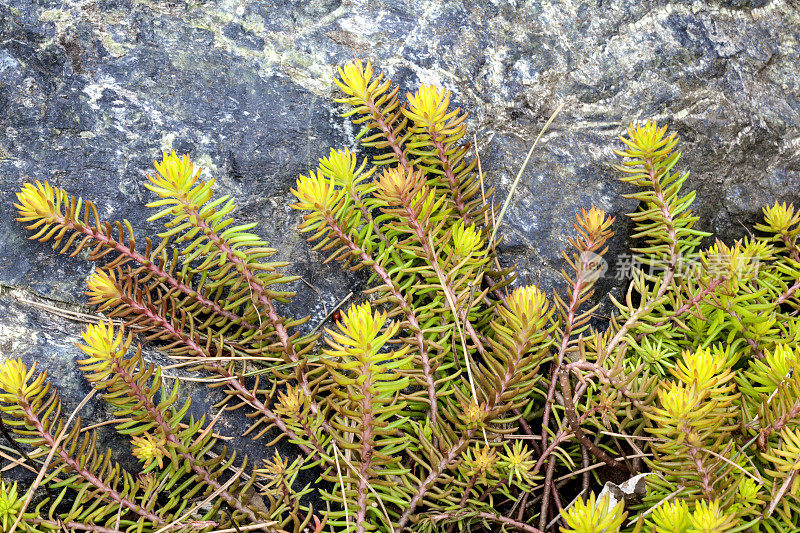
<point x="444" y="463"/>
<point x="158" y="272"/>
<point x="516" y="524"/>
<point x="104" y="489"/>
<point x="167" y="430"/>
<point x="405" y="307"/>
<point x="366" y="450"/>
<point x="234" y="382"/>
<point x="422" y="237"/>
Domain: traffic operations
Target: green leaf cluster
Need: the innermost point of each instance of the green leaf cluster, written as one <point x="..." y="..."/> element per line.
<point x="446" y="398"/>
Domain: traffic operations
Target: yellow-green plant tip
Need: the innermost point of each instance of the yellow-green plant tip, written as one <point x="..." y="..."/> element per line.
<point x="480" y="461"/>
<point x="678" y="400"/>
<point x="780" y="218"/>
<point x="700" y="368"/>
<point x="39" y="201"/>
<point x="708" y="517"/>
<point x="314" y="192"/>
<point x="103" y="343"/>
<point x="591" y="516"/>
<point x="518" y="462"/>
<point x="10" y="505"/>
<point x="149" y="449"/>
<point x="14" y="375"/>
<point x="103" y="287"/>
<point x="466" y="239"/>
<point x="427" y="107"/>
<point x="355" y="78"/>
<point x="671" y="517"/>
<point x="174" y="175"/>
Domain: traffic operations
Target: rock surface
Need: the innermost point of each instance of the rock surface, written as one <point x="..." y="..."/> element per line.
<point x="92" y="91"/>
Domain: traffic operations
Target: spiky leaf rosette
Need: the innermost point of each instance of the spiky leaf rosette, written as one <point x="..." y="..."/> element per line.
<point x="594" y="516"/>
<point x="226" y="256"/>
<point x="55" y="216"/>
<point x="782" y="224"/>
<point x="11" y="512"/>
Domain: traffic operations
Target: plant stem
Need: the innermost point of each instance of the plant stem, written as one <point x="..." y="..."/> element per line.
<point x="366" y="450"/>
<point x="156" y="416"/>
<point x="604" y="376"/>
<point x="575" y="425"/>
<point x="106" y="240"/>
<point x="520" y="526"/>
<point x="104" y="489"/>
<point x="410" y="216"/>
<point x="788" y="293"/>
<point x="234" y="382"/>
<point x="73" y="526"/>
<point x="399" y="299"/>
<point x="445" y="462"/>
<point x="389" y="133"/>
<point x="455" y="186"/>
<point x="688" y="305"/>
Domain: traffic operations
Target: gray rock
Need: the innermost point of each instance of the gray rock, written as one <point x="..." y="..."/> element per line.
<point x="91" y="92"/>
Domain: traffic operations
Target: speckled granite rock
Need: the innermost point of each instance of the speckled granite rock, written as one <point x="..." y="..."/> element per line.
<point x="92" y="91"/>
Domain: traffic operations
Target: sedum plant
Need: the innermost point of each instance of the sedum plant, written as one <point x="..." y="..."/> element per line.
<point x="447" y="399"/>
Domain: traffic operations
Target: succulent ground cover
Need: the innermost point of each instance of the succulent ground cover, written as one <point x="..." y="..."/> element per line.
<point x="447" y="399"/>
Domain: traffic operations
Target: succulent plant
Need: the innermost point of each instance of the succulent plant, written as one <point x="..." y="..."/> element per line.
<point x="446" y="399"/>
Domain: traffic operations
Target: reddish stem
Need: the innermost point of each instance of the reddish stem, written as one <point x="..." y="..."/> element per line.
<point x="455" y="187"/>
<point x="104" y="489"/>
<point x="446" y="461"/>
<point x="705" y="477"/>
<point x="153" y="267"/>
<point x="604" y="377"/>
<point x="575" y="424"/>
<point x="156" y="416"/>
<point x="233" y="381"/>
<point x="788" y="293"/>
<point x="389" y="133"/>
<point x="73" y="526"/>
<point x="408" y="311"/>
<point x="422" y="237"/>
<point x="464" y="497"/>
<point x="548" y="488"/>
<point x="521" y="526"/>
<point x="366" y="454"/>
<point x="689" y="304"/>
<point x="261" y="294"/>
<point x="454" y="451"/>
<point x="574" y="303"/>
